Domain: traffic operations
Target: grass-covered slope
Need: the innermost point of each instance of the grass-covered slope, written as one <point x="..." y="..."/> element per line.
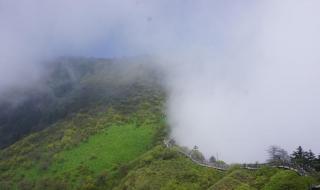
<point x="163" y="168"/>
<point x="101" y="127"/>
<point x="266" y="178"/>
<point x="72" y="85"/>
<point x="81" y="150"/>
<point x="109" y="149"/>
<point x="114" y="145"/>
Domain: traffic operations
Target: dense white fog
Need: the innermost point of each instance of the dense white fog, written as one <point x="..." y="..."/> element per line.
<point x="240" y="75"/>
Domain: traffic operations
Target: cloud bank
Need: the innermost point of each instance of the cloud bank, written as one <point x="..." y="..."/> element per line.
<point x="240" y="76"/>
<point x="261" y="87"/>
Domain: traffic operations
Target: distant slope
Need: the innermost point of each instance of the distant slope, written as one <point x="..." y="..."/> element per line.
<point x="78" y="150"/>
<point x="69" y="86"/>
<point x="111" y="149"/>
<point x="166" y="169"/>
<point x="102" y="127"/>
<point x="163" y="168"/>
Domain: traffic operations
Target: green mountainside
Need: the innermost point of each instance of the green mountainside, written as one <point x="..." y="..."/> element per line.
<point x="69" y="86"/>
<point x="106" y="131"/>
<point x="75" y="151"/>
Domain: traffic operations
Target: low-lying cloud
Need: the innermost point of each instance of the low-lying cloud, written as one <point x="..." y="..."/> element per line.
<point x="240" y="76"/>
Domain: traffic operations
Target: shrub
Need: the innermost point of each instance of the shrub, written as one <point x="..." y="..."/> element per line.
<point x="25" y="185"/>
<point x="102" y="178"/>
<point x="168" y="154"/>
<point x="123" y="170"/>
<point x="51" y="184"/>
<point x="287" y="180"/>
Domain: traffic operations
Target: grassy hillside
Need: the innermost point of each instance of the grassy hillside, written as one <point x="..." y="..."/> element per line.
<point x="72" y="85"/>
<point x="101" y="130"/>
<point x="111" y="119"/>
<point x="109" y="150"/>
<point x="163" y="168"/>
<point x="80" y="149"/>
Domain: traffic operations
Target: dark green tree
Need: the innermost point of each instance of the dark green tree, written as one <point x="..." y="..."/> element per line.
<point x="299" y="157"/>
<point x="317" y="164"/>
<point x="304" y="159"/>
<point x="212" y="159"/>
<point x="311" y="158"/>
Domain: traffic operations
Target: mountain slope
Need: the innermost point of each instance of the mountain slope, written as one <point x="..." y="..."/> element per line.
<point x="162" y="168"/>
<point x="83" y="146"/>
<point x="69" y="86"/>
<point x="101" y="126"/>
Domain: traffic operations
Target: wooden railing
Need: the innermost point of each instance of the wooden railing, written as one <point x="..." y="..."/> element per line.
<point x="224" y="167"/>
<point x="215" y="165"/>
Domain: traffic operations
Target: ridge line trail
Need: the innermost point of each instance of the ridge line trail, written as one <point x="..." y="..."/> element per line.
<point x="167" y="144"/>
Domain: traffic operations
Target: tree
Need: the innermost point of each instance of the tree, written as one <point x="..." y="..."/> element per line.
<point x="304" y="159"/>
<point x="196" y="154"/>
<point x="278" y="156"/>
<point x="299" y="156"/>
<point x="172" y="142"/>
<point x="316" y="164"/>
<point x="310" y="157"/>
<point x="212" y="159"/>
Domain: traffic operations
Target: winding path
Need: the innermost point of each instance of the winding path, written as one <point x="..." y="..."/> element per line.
<point x="225" y="167"/>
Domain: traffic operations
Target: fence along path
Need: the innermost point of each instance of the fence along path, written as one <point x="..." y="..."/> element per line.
<point x="217" y="166"/>
<point x="225" y="167"/>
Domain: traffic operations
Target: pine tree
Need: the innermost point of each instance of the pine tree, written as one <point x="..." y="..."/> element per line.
<point x="305" y="159"/>
<point x="310" y="156"/>
<point x="299" y="157"/>
<point x="317" y="164"/>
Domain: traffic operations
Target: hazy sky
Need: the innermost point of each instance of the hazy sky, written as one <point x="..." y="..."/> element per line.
<point x="240" y="75"/>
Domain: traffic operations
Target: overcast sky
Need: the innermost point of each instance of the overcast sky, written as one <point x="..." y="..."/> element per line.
<point x="241" y="75"/>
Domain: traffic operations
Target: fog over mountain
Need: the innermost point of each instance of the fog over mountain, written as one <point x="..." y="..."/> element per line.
<point x="240" y="75"/>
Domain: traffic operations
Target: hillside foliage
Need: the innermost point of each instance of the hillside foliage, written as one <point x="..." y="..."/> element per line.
<point x="101" y="126"/>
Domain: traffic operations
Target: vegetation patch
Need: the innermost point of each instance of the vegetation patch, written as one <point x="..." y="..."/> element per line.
<point x="163" y="168"/>
<point x="108" y="148"/>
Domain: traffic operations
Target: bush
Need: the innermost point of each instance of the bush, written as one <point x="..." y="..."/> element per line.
<point x="51" y="184"/>
<point x="102" y="178"/>
<point x="123" y="170"/>
<point x="287" y="180"/>
<point x="25" y="185"/>
<point x="168" y="154"/>
<point x="5" y="185"/>
<point x="197" y="155"/>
